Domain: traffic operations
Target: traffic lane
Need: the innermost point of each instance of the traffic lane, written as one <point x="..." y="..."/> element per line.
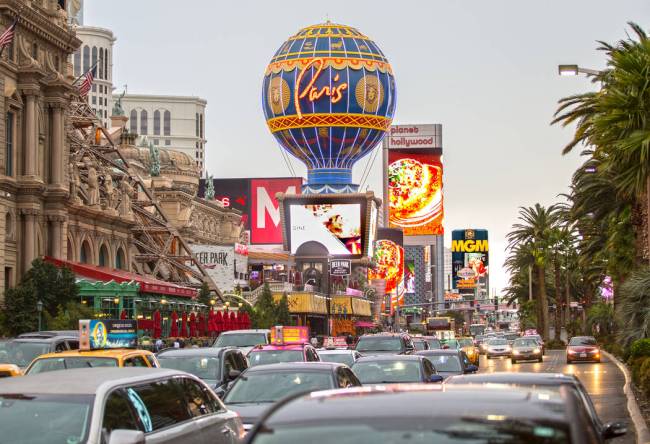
<point x="603" y="381"/>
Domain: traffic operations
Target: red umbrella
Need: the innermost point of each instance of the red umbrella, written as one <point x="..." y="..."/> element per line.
<point x="183" y="333"/>
<point x="123" y="314"/>
<point x="174" y="330"/>
<point x="201" y="325"/>
<point x="211" y="326"/>
<point x="246" y="322"/>
<point x="157" y="329"/>
<point x="238" y="322"/>
<point x="218" y="322"/>
<point x="192" y="325"/>
<point x="233" y="321"/>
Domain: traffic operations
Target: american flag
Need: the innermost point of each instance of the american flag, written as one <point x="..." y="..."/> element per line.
<point x="8" y="36"/>
<point x="87" y="83"/>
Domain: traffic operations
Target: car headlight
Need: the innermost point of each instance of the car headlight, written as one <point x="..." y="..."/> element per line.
<point x="571" y="352"/>
<point x="508" y="348"/>
<point x="536" y="350"/>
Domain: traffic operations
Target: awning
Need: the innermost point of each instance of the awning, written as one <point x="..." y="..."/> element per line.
<point x="364" y="324"/>
<point x="147" y="284"/>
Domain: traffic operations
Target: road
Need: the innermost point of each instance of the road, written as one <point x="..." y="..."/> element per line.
<point x="603" y="381"/>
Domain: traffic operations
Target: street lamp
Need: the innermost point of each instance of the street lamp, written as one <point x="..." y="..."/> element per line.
<point x="39" y="309"/>
<point x="574" y="70"/>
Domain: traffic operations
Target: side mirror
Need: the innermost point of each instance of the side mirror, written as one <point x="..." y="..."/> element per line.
<point x="120" y="436"/>
<point x="613" y="429"/>
<point x="233" y="374"/>
<point x="220" y="392"/>
<point x="436" y="378"/>
<point x="471" y="369"/>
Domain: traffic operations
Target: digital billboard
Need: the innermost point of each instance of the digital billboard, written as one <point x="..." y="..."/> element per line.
<point x="470" y="260"/>
<point x="388" y="261"/>
<point x="255" y="198"/>
<point x="409" y="277"/>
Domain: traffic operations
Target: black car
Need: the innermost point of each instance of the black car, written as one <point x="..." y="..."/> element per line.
<point x="22" y="350"/>
<point x="385" y="344"/>
<point x="427" y="414"/>
<point x="449" y="362"/>
<point x="217" y="366"/>
<point x="547" y="381"/>
<point x="395" y="369"/>
<point x="259" y="387"/>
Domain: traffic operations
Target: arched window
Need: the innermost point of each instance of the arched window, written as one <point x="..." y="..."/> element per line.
<point x="201" y="118"/>
<point x="77" y="63"/>
<point x="85" y="253"/>
<point x="143" y="122"/>
<point x="134" y="121"/>
<point x="103" y="256"/>
<point x="156" y="123"/>
<point x="94" y="56"/>
<point x="86" y="55"/>
<point x="70" y="251"/>
<point x="120" y="260"/>
<point x="106" y="75"/>
<point x="167" y="123"/>
<point x="100" y="71"/>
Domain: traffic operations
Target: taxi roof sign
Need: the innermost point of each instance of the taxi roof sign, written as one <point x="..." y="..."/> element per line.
<point x="95" y="334"/>
<point x="285" y="335"/>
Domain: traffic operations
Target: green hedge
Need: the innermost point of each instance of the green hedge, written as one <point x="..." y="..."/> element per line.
<point x="639" y="348"/>
<point x="640" y="369"/>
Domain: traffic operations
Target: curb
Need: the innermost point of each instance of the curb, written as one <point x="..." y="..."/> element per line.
<point x="642" y="433"/>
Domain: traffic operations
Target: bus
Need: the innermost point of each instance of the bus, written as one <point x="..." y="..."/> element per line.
<point x="477" y="329"/>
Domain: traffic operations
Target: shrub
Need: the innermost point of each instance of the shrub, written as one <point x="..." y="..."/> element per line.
<point x="555" y="345"/>
<point x="639" y="348"/>
<point x="635" y="368"/>
<point x="644" y="376"/>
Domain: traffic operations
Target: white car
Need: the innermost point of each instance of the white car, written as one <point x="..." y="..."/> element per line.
<point x="245" y="340"/>
<point x="114" y="405"/>
<point x="498" y="347"/>
<point x="343" y="356"/>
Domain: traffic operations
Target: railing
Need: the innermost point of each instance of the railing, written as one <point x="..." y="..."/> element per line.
<point x="276" y="287"/>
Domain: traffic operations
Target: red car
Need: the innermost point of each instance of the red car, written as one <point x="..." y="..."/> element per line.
<point x="582" y="348"/>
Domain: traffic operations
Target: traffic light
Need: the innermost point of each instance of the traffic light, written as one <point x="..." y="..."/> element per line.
<point x="496" y="304"/>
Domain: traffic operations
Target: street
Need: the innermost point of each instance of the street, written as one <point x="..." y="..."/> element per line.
<point x="603" y="381"/>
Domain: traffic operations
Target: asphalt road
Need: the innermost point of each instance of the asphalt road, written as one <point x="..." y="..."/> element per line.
<point x="603" y="381"/>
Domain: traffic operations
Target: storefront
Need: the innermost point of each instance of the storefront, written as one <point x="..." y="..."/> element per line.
<point x="269" y="266"/>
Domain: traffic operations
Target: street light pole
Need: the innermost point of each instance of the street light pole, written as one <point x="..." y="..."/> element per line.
<point x="574" y="70"/>
<point x="39" y="309"/>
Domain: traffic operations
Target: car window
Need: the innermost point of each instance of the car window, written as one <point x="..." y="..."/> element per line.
<point x="151" y="359"/>
<point x="73" y="344"/>
<point x="199" y="399"/>
<point x="582" y="341"/>
<point x="229" y="364"/>
<point x="312" y="355"/>
<point x="118" y="414"/>
<point x="263" y="387"/>
<point x="135" y="361"/>
<point x="240" y="359"/>
<point x="343" y="378"/>
<point x="379" y="343"/>
<point x="428" y="369"/>
<point x="52" y="364"/>
<point x="260" y="357"/>
<point x="445" y="363"/>
<point x="585" y="422"/>
<point x="241" y="340"/>
<point x="352" y="377"/>
<point x="387" y="371"/>
<point x="61" y="346"/>
<point x="160" y="404"/>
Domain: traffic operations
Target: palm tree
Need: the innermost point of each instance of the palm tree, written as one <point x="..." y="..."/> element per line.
<point x="634" y="307"/>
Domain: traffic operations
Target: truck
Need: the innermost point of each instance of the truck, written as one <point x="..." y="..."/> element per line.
<point x="477" y="329"/>
<point x="441" y="327"/>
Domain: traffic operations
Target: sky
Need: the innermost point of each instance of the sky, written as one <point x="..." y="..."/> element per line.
<point x="485" y="69"/>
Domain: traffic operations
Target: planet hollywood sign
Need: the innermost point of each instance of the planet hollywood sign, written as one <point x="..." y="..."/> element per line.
<point x="414" y="136"/>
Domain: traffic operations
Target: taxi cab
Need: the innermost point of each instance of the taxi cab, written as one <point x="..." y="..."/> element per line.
<point x="471" y="350"/>
<point x="91" y="359"/>
<point x="288" y="344"/>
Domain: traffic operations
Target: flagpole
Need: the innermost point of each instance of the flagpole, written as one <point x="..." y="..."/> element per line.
<point x="87" y="71"/>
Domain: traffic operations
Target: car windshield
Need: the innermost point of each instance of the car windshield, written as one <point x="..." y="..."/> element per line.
<point x="45" y="419"/>
<point x="434" y="344"/>
<point x="535" y="337"/>
<point x="53" y="364"/>
<point x="451" y="343"/>
<point x="378" y="343"/>
<point x="415" y="430"/>
<point x="385" y="371"/>
<point x="498" y="342"/>
<point x="525" y="342"/>
<point x="240" y="340"/>
<point x="342" y="358"/>
<point x="419" y="344"/>
<point x="22" y="353"/>
<point x="262" y="387"/>
<point x="466" y="343"/>
<point x="512" y="336"/>
<point x="261" y="357"/>
<point x="445" y="363"/>
<point x="204" y="367"/>
<point x="582" y="341"/>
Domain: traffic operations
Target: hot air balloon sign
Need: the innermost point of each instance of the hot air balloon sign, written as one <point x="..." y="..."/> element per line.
<point x="329" y="98"/>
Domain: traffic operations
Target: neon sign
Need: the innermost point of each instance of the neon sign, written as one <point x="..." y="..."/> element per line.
<point x="335" y="93"/>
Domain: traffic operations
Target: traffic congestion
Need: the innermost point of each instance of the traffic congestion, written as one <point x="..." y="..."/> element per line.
<point x="282" y="385"/>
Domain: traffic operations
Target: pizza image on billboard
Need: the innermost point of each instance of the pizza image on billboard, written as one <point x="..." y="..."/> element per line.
<point x="336" y="226"/>
<point x="415" y="193"/>
<point x="389" y="264"/>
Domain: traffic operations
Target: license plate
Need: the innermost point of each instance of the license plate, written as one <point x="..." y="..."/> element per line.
<point x="583" y="355"/>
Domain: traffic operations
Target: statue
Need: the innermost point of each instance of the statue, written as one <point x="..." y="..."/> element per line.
<point x="111" y="194"/>
<point x="209" y="188"/>
<point x="117" y="106"/>
<point x="154" y="154"/>
<point x="93" y="187"/>
<point x="75" y="182"/>
<point x="125" y="209"/>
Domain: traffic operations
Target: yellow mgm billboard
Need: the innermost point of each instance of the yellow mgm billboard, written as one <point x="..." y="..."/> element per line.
<point x="470" y="260"/>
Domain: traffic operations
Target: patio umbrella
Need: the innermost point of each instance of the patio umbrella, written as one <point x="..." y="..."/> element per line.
<point x="201" y="325"/>
<point x="192" y="325"/>
<point x="183" y="333"/>
<point x="157" y="328"/>
<point x="123" y="314"/>
<point x="233" y="321"/>
<point x="174" y="330"/>
<point x="218" y="322"/>
<point x="211" y="326"/>
<point x="246" y="322"/>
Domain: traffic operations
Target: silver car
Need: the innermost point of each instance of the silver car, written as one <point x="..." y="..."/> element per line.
<point x="245" y="340"/>
<point x="347" y="357"/>
<point x="497" y="347"/>
<point x="115" y="405"/>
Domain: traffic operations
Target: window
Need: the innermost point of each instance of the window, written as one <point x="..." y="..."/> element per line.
<point x="86" y="55"/>
<point x="168" y="142"/>
<point x="100" y="71"/>
<point x="94" y="56"/>
<point x="160" y="404"/>
<point x="77" y="63"/>
<point x="57" y="63"/>
<point x="9" y="277"/>
<point x="168" y="123"/>
<point x="94" y="100"/>
<point x="133" y="121"/>
<point x="229" y="364"/>
<point x="156" y="123"/>
<point x="119" y="259"/>
<point x="199" y="399"/>
<point x="103" y="256"/>
<point x="156" y="141"/>
<point x="201" y="128"/>
<point x="118" y="413"/>
<point x="135" y="361"/>
<point x="34" y="50"/>
<point x="9" y="145"/>
<point x="94" y="88"/>
<point x="197" y="124"/>
<point x="143" y="122"/>
<point x="106" y="76"/>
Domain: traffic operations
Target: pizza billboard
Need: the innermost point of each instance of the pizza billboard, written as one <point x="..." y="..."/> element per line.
<point x="414" y="179"/>
<point x="470" y="260"/>
<point x="255" y="198"/>
<point x="388" y="263"/>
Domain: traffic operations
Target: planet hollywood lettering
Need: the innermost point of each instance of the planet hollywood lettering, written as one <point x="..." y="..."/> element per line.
<point x="335" y="93"/>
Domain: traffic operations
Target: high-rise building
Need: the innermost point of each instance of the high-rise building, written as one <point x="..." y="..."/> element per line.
<point x="448" y="269"/>
<point x="174" y="122"/>
<point x="96" y="49"/>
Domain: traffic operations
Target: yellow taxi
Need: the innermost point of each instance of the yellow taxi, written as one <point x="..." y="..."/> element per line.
<point x="92" y="358"/>
<point x="471" y="350"/>
<point x="9" y="370"/>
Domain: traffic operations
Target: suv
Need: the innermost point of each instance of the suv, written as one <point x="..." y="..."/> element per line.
<point x="22" y="350"/>
<point x="244" y="340"/>
<point x="385" y="344"/>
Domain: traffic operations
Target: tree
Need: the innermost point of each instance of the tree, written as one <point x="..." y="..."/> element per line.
<point x="205" y="296"/>
<point x="600" y="319"/>
<point x="283" y="316"/>
<point x="20" y="313"/>
<point x="67" y="318"/>
<point x="265" y="309"/>
<point x="634" y="300"/>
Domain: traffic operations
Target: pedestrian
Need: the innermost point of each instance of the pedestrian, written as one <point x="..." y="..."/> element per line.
<point x="182" y="343"/>
<point x="159" y="345"/>
<point x="176" y="343"/>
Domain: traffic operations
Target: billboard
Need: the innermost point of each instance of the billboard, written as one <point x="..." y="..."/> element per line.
<point x="470" y="261"/>
<point x="414" y="179"/>
<point x="97" y="334"/>
<point x="409" y="277"/>
<point x="255" y="198"/>
<point x="227" y="265"/>
<point x="389" y="263"/>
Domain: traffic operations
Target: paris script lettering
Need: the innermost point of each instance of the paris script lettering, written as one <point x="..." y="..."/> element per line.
<point x="335" y="92"/>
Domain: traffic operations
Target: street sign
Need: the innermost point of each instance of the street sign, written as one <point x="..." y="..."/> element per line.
<point x="340" y="267"/>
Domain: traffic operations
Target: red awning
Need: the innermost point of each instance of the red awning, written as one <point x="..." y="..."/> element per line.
<point x="364" y="324"/>
<point x="147" y="284"/>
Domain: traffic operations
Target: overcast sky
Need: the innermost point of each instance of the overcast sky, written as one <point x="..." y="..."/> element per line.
<point x="485" y="69"/>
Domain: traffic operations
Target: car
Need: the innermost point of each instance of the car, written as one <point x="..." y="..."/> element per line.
<point x="21" y="351"/>
<point x="582" y="348"/>
<point x="546" y="381"/>
<point x="244" y="340"/>
<point x="451" y="344"/>
<point x="526" y="349"/>
<point x="434" y="343"/>
<point x="426" y="414"/>
<point x="498" y="347"/>
<point x="347" y="357"/>
<point x="115" y="405"/>
<point x="395" y="369"/>
<point x="259" y="387"/>
<point x="539" y="340"/>
<point x="385" y="344"/>
<point x="120" y="357"/>
<point x="467" y="345"/>
<point x="510" y="337"/>
<point x="216" y="366"/>
<point x="420" y="344"/>
<point x="273" y="354"/>
<point x="449" y="362"/>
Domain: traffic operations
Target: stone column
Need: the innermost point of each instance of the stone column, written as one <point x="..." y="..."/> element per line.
<point x="29" y="238"/>
<point x="56" y="235"/>
<point x="56" y="155"/>
<point x="30" y="136"/>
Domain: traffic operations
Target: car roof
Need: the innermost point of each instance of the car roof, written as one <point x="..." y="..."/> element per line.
<point x="234" y="332"/>
<point x="50" y="334"/>
<point x="81" y="381"/>
<point x="336" y="351"/>
<point x="190" y="351"/>
<point x="43" y="339"/>
<point x="296" y="366"/>
<point x="110" y="353"/>
<point x="437" y="351"/>
<point x="273" y="347"/>
<point x="420" y="401"/>
<point x="389" y="358"/>
<point x="524" y="378"/>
